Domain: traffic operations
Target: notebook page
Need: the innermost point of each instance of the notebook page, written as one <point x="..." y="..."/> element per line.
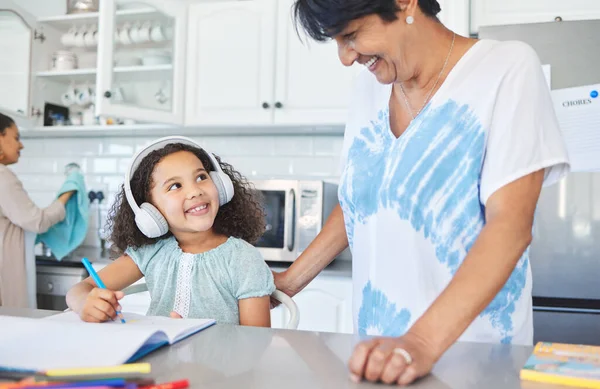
<point x="40" y="344"/>
<point x="175" y="329"/>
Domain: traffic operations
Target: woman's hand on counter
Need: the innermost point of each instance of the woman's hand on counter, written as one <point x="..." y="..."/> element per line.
<point x="392" y="360"/>
<point x="63" y="198"/>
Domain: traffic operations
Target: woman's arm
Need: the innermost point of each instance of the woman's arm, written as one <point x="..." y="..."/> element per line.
<point x="331" y="241"/>
<point x="18" y="207"/>
<point x="485" y="270"/>
<point x="104" y="302"/>
<point x="255" y="312"/>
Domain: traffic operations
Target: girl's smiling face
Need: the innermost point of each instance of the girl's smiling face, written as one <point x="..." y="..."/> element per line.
<point x="184" y="193"/>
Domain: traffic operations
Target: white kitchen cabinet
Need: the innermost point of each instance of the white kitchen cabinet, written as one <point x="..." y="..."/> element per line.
<point x="126" y="85"/>
<point x="311" y="84"/>
<point x="325" y="305"/>
<point x="493" y="12"/>
<point x="155" y="92"/>
<point x="17" y="30"/>
<point x="230" y="63"/>
<point x="246" y="65"/>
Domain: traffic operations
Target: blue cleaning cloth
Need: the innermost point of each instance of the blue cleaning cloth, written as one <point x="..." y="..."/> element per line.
<point x="66" y="236"/>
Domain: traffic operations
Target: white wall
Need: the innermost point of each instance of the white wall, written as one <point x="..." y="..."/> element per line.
<point x="104" y="160"/>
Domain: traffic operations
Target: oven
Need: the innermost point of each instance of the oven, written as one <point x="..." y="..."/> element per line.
<point x="295" y="213"/>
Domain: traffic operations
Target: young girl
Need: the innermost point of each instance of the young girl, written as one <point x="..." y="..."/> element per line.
<point x="185" y="223"/>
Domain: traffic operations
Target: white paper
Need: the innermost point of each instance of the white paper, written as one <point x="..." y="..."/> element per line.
<point x="64" y="341"/>
<point x="175" y="329"/>
<point x="578" y="112"/>
<point x="547" y="69"/>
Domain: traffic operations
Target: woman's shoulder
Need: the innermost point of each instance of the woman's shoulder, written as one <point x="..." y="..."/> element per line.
<point x="511" y="54"/>
<point x="7" y="173"/>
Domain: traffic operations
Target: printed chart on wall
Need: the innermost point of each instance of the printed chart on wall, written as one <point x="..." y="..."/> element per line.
<point x="578" y="112"/>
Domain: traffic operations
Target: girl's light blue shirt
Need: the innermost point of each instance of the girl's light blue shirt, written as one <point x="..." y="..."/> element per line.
<point x="207" y="285"/>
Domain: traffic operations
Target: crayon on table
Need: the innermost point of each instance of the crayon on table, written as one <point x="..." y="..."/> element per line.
<point x="181" y="384"/>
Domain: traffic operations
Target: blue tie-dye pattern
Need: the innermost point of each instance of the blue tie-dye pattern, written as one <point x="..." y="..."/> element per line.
<point x="379" y="315"/>
<point x="430" y="177"/>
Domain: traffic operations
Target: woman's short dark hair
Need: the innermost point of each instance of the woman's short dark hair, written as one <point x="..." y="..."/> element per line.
<point x="243" y="217"/>
<point x="323" y="19"/>
<point x="5" y="122"/>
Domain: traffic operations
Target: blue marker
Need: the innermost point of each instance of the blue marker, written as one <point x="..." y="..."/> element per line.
<point x="98" y="281"/>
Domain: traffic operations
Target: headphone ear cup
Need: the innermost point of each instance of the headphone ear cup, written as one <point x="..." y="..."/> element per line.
<point x="224" y="186"/>
<point x="150" y="221"/>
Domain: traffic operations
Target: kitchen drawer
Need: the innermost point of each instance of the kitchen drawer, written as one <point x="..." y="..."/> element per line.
<point x="57" y="284"/>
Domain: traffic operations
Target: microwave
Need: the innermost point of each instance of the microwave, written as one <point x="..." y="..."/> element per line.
<point x="295" y="212"/>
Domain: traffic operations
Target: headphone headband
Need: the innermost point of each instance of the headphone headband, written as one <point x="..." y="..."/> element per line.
<point x="153" y="146"/>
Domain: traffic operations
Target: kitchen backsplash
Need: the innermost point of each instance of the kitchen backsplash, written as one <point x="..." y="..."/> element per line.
<point x="105" y="160"/>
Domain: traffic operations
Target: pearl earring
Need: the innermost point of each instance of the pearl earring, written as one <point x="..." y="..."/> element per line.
<point x="410" y="20"/>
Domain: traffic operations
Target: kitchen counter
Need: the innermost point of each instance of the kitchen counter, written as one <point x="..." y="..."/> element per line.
<point x="226" y="356"/>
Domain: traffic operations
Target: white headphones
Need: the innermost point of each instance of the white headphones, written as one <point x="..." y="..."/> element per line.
<point x="149" y="220"/>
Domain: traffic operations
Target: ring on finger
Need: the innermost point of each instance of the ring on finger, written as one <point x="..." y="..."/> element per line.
<point x="407" y="358"/>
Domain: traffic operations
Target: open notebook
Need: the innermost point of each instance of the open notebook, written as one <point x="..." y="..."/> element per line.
<point x="64" y="341"/>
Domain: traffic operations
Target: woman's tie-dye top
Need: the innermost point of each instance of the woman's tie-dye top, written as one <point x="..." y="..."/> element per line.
<point x="414" y="205"/>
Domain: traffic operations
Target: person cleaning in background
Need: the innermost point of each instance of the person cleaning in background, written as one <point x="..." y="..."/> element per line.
<point x="66" y="236"/>
<point x="18" y="213"/>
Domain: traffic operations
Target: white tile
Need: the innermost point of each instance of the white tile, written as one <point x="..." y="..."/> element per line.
<point x="119" y="146"/>
<point x="103" y="165"/>
<point x="113" y="183"/>
<point x="203" y="141"/>
<point x="41" y="165"/>
<point x="241" y="146"/>
<point x="43" y="182"/>
<point x="314" y="166"/>
<point x="294" y="145"/>
<point x="33" y="147"/>
<point x="95" y="183"/>
<point x="123" y="165"/>
<point x="141" y="142"/>
<point x="72" y="146"/>
<point x="328" y="145"/>
<point x="253" y="167"/>
<point x="61" y="162"/>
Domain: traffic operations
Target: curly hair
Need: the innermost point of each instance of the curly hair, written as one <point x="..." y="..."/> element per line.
<point x="243" y="217"/>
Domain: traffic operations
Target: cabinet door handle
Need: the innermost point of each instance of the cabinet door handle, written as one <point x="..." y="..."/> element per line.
<point x="278" y="105"/>
<point x="108" y="94"/>
<point x="266" y="105"/>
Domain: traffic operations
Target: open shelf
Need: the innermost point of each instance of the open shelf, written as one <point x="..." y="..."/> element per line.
<point x="130" y="72"/>
<point x="65" y="22"/>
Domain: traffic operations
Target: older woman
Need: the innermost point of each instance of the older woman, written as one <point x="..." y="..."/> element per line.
<point x="17" y="215"/>
<point x="448" y="143"/>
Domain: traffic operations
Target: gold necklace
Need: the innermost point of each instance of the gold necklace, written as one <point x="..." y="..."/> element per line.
<point x="410" y="110"/>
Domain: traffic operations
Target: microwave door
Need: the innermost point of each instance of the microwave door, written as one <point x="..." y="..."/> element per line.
<point x="277" y="242"/>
